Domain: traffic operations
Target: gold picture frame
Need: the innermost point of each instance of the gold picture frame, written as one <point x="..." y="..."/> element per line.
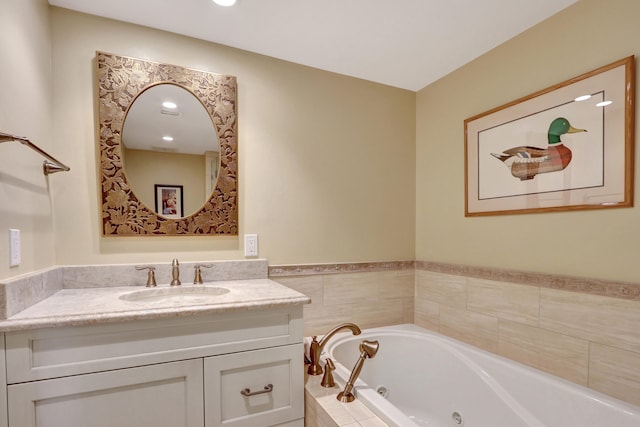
<point x="516" y="160"/>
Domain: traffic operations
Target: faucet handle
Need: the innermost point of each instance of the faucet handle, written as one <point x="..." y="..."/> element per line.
<point x="197" y="280"/>
<point x="327" y="378"/>
<point x="151" y="275"/>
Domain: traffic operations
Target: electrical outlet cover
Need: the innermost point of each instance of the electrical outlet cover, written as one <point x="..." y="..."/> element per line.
<point x="14" y="247"/>
<point x="250" y="245"/>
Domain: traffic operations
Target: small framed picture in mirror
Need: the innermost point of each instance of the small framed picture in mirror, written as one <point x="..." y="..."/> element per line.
<point x="169" y="200"/>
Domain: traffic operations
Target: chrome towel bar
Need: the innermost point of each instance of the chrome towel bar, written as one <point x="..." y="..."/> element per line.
<point x="51" y="165"/>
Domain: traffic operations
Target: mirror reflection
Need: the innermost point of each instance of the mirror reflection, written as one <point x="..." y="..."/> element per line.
<point x="168" y="137"/>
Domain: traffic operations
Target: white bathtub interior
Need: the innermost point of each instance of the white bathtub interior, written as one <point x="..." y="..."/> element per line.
<point x="422" y="378"/>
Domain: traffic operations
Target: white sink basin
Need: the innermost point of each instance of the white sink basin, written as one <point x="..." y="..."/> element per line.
<point x="178" y="294"/>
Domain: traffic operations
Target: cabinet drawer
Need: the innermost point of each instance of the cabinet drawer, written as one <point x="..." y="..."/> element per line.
<point x="57" y="352"/>
<point x="278" y="370"/>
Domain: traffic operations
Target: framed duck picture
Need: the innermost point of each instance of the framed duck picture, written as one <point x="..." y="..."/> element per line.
<point x="567" y="147"/>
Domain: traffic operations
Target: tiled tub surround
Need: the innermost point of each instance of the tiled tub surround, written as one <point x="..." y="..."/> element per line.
<point x="586" y="331"/>
<point x="323" y="409"/>
<point x="368" y="294"/>
<point x="565" y="326"/>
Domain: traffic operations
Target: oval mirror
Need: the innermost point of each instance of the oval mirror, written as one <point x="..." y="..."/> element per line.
<point x="170" y="150"/>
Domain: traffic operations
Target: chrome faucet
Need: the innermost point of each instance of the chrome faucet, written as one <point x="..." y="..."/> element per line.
<point x="175" y="273"/>
<point x="368" y="350"/>
<point x="316" y="347"/>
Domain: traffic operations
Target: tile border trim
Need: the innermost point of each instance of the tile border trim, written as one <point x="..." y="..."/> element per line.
<point x="336" y="268"/>
<point x="608" y="288"/>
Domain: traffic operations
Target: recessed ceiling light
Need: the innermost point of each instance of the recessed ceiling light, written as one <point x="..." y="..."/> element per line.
<point x="167" y="138"/>
<point x="225" y="2"/>
<point x="169" y="104"/>
<point x="582" y="98"/>
<point x="603" y="103"/>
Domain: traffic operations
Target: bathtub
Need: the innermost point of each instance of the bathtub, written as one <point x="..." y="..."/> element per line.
<point x="421" y="378"/>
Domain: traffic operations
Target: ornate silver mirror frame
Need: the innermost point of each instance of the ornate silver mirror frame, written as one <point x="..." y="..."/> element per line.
<point x="120" y="80"/>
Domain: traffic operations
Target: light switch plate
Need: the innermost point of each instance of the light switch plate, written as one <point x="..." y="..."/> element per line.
<point x="14" y="247"/>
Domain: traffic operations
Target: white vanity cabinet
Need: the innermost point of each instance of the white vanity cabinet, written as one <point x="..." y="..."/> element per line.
<point x="238" y="369"/>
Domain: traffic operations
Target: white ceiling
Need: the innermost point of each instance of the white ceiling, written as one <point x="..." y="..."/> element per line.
<point x="403" y="43"/>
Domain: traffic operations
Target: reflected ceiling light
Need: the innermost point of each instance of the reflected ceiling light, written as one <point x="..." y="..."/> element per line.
<point x="167" y="138"/>
<point x="603" y="103"/>
<point x="582" y="98"/>
<point x="225" y="2"/>
<point x="170" y="105"/>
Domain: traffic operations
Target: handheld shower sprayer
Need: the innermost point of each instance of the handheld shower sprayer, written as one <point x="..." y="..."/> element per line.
<point x="368" y="350"/>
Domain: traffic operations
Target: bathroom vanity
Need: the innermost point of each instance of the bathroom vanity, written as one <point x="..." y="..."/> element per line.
<point x="121" y="357"/>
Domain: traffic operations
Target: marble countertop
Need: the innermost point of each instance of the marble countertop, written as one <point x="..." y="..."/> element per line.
<point x="72" y="307"/>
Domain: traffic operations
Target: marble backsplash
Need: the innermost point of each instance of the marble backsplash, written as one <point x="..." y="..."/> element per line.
<point x="19" y="293"/>
<point x="24" y="291"/>
<point x="98" y="276"/>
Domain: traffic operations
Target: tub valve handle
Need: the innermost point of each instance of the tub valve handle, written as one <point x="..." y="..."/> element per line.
<point x="327" y="378"/>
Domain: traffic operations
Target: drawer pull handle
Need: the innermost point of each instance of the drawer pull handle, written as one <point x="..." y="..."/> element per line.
<point x="247" y="392"/>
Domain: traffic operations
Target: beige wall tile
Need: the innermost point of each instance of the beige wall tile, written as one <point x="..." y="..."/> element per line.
<point x="310" y="414"/>
<point x="336" y="410"/>
<point x="350" y="288"/>
<point x="615" y="372"/>
<point x="519" y="303"/>
<point x="441" y="288"/>
<point x="369" y="299"/>
<point x="311" y="286"/>
<point x="548" y="351"/>
<point x="397" y="284"/>
<point x="378" y="313"/>
<point x="408" y="310"/>
<point x="609" y="321"/>
<point x="372" y="422"/>
<point x="427" y="314"/>
<point x="318" y="320"/>
<point x="473" y="328"/>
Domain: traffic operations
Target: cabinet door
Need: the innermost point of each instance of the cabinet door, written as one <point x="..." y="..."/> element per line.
<point x="255" y="388"/>
<point x="167" y="394"/>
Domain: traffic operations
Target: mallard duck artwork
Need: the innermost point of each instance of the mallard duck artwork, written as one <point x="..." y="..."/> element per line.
<point x="526" y="162"/>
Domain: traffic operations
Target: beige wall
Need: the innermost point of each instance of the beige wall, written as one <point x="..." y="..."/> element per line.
<point x="25" y="110"/>
<point x="145" y="169"/>
<point x="596" y="244"/>
<point x="326" y="162"/>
